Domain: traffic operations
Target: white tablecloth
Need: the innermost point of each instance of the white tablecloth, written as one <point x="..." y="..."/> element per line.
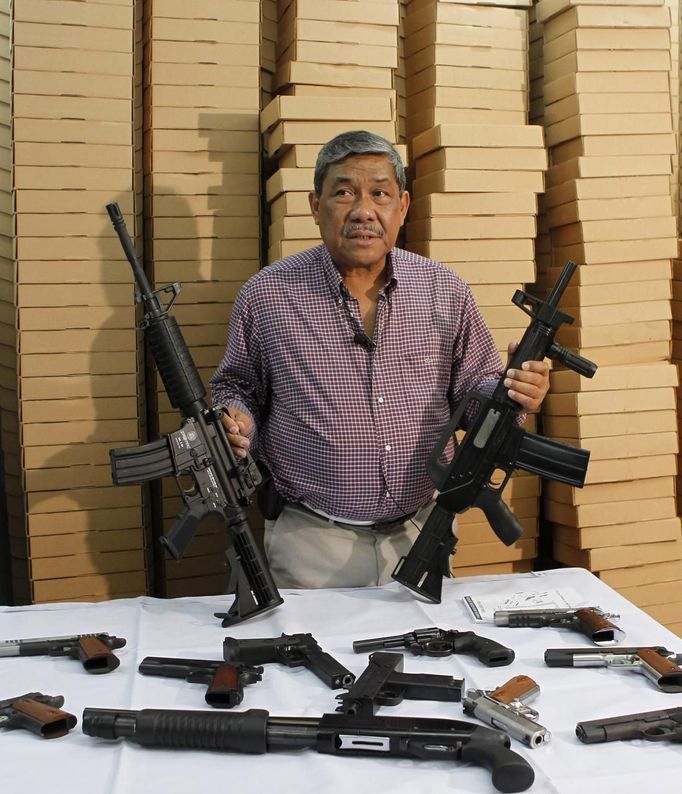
<point x="186" y="627"/>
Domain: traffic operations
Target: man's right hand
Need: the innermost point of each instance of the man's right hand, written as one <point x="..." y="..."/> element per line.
<point x="238" y="426"/>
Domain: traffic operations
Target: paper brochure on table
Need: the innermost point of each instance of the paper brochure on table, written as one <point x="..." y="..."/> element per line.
<point x="482" y="608"/>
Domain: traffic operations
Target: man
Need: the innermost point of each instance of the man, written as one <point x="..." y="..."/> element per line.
<point x="343" y="365"/>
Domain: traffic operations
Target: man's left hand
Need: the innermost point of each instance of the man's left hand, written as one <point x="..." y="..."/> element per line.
<point x="528" y="385"/>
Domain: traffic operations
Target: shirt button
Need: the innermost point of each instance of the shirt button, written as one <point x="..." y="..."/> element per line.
<point x="380" y="400"/>
<point x="387" y="447"/>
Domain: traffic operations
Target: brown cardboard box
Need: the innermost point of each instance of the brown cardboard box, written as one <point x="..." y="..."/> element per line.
<point x="453" y="55"/>
<point x="619" y="578"/>
<point x="287" y="133"/>
<point x="609" y="315"/>
<point x="356" y="54"/>
<point x="332" y="74"/>
<point x="297" y="228"/>
<point x="92" y="588"/>
<point x="626" y="512"/>
<point x="607" y="61"/>
<point x="475" y="250"/>
<point x="613" y="145"/>
<point x="642" y="123"/>
<point x="608" y="209"/>
<point x="628" y="468"/>
<point x="624" y="292"/>
<point x="289" y="179"/>
<point x="609" y="13"/>
<point x="494" y="551"/>
<point x="594" y="537"/>
<point x="605" y="379"/>
<point x="85" y="521"/>
<point x="595" y="425"/>
<point x="650" y="488"/>
<point x="619" y="556"/>
<point x="488" y="158"/>
<point x="421" y="14"/>
<point x="604" y="188"/>
<point x="471" y="227"/>
<point x="584" y="83"/>
<point x="467" y="77"/>
<point x="595" y="104"/>
<point x="456" y="35"/>
<point x="625" y="333"/>
<point x="665" y="613"/>
<point x="378" y="13"/>
<point x="603" y="252"/>
<point x="298" y="108"/>
<point x="291" y="30"/>
<point x="632" y="445"/>
<point x="493" y="568"/>
<point x="68" y="387"/>
<point x="467" y="98"/>
<point x="484" y="204"/>
<point x="290" y="204"/>
<point x="645" y="595"/>
<point x="453" y="181"/>
<point x="480" y="135"/>
<point x="426" y="119"/>
<point x="502" y="272"/>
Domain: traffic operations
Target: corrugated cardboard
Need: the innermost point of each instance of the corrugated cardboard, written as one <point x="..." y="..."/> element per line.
<point x="582" y="536"/>
<point x="619" y="556"/>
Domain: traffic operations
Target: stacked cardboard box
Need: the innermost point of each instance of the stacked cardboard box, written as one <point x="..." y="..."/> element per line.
<point x="673" y="7"/>
<point x="610" y="139"/>
<point x="202" y="188"/>
<point x="268" y="42"/>
<point x="334" y="74"/>
<point x="10" y="450"/>
<point x="67" y="306"/>
<point x="466" y="63"/>
<point x="478" y="169"/>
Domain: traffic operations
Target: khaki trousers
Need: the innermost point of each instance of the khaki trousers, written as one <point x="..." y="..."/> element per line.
<point x="308" y="551"/>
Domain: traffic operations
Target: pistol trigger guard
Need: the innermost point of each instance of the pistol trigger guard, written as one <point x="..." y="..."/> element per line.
<point x="437" y="648"/>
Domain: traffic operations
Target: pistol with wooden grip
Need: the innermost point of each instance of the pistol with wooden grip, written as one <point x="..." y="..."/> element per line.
<point x="225" y="682"/>
<point x="37" y="713"/>
<point x="94" y="651"/>
<point x="505" y="708"/>
<point x="593" y="622"/>
<point x="655" y="662"/>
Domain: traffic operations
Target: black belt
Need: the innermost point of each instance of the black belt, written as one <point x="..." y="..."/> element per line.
<point x="380" y="527"/>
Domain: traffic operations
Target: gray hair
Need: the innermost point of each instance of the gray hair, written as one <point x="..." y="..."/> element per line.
<point x="352" y="143"/>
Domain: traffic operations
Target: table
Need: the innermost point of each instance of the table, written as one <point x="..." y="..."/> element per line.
<point x="186" y="627"/>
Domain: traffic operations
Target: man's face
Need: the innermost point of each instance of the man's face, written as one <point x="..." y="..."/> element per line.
<point x="360" y="210"/>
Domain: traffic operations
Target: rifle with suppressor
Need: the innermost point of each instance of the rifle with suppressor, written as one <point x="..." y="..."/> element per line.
<point x="225" y="682"/>
<point x="442" y="642"/>
<point x="593" y="622"/>
<point x="656" y="663"/>
<point x="255" y="731"/>
<point x="93" y="651"/>
<point x="664" y="725"/>
<point x="494" y="446"/>
<point x="292" y="650"/>
<point x="37" y="713"/>
<point x="383" y="683"/>
<point x="199" y="450"/>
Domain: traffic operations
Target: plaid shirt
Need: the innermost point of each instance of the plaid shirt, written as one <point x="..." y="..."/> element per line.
<point x="342" y="428"/>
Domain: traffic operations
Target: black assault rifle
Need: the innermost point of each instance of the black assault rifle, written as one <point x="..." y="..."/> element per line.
<point x="491" y="449"/>
<point x="199" y="450"/>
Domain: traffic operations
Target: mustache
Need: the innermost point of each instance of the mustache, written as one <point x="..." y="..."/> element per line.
<point x="369" y="228"/>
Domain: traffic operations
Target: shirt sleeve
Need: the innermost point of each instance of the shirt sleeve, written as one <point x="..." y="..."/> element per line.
<point x="476" y="364"/>
<point x="239" y="380"/>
